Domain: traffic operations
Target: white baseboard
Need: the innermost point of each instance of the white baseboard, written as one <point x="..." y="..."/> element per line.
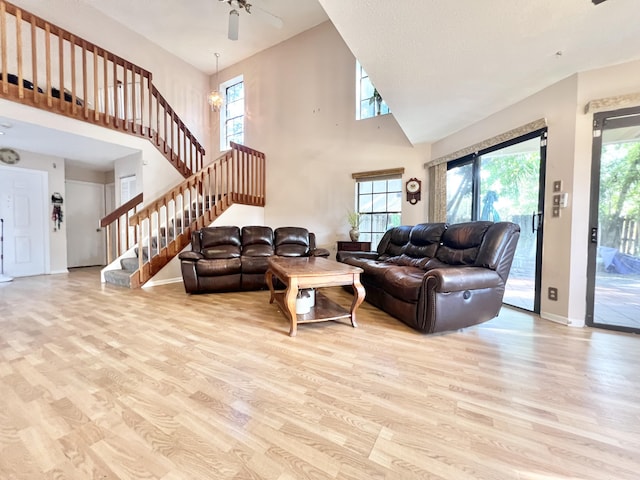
<point x="152" y="283"/>
<point x="56" y="272"/>
<point x="555" y="318"/>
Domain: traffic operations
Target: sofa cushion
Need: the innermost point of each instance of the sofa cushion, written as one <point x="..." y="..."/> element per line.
<point x="257" y="241"/>
<point x="291" y="242"/>
<point x="220" y="242"/>
<point x="394" y="241"/>
<point x="254" y="264"/>
<point x="226" y="266"/>
<point x="461" y="243"/>
<point x="403" y="282"/>
<point x="424" y="240"/>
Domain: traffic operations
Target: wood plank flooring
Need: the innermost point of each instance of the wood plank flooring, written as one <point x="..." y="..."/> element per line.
<point x="102" y="382"/>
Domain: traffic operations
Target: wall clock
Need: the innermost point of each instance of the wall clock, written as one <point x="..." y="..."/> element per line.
<point x="413" y="187"/>
<point x="9" y="156"/>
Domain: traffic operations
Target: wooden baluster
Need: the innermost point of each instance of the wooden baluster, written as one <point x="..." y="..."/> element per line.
<point x="47" y="43"/>
<point x="62" y="104"/>
<point x="85" y="84"/>
<point x="116" y="95"/>
<point x="72" y="60"/>
<point x="3" y="46"/>
<point x="34" y="59"/>
<point x="96" y="112"/>
<point x="105" y="68"/>
<point x="125" y="87"/>
<point x="19" y="52"/>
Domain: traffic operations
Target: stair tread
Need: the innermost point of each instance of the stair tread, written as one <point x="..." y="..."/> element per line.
<point x="118" y="277"/>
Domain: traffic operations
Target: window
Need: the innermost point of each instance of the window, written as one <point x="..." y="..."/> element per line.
<point x="366" y="105"/>
<point x="127" y="188"/>
<point x="232" y="113"/>
<point x="379" y="203"/>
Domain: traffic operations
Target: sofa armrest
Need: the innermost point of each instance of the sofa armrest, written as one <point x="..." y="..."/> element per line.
<point x="344" y="254"/>
<point x="320" y="252"/>
<point x="456" y="279"/>
<point x="194" y="256"/>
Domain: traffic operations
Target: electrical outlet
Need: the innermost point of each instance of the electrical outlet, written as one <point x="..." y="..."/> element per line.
<point x="553" y="294"/>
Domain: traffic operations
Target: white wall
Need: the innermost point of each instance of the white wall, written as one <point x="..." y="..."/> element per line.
<point x="300" y="111"/>
<point x="569" y="160"/>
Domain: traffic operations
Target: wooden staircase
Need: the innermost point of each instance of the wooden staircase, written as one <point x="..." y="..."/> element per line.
<point x="46" y="67"/>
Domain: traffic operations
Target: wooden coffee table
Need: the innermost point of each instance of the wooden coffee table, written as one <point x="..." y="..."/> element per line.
<point x="313" y="272"/>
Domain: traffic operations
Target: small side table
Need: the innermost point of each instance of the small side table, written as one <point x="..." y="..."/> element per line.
<point x="354" y="246"/>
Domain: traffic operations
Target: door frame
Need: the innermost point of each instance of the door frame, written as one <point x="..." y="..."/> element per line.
<point x="542" y="134"/>
<point x="624" y="117"/>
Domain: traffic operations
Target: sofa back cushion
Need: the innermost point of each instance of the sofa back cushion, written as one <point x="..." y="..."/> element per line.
<point x="461" y="243"/>
<point x="291" y="242"/>
<point x="393" y="242"/>
<point x="257" y="241"/>
<point x="220" y="242"/>
<point x="424" y="240"/>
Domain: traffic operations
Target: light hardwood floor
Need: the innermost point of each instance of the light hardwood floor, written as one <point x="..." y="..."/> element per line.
<point x="101" y="382"/>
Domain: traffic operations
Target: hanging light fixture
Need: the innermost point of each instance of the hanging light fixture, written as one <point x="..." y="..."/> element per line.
<point x="215" y="97"/>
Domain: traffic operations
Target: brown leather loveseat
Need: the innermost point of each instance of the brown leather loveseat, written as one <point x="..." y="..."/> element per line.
<point x="437" y="277"/>
<point x="228" y="258"/>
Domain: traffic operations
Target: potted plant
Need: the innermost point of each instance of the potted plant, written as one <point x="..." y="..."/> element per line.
<point x="377" y="98"/>
<point x="354" y="221"/>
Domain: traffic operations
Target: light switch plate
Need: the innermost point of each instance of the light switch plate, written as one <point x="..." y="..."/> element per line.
<point x="557" y="186"/>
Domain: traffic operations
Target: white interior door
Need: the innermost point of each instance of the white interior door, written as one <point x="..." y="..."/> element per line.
<point x="84" y="207"/>
<point x="23" y="207"/>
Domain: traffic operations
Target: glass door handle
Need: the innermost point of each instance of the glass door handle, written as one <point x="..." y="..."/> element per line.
<point x="535" y="225"/>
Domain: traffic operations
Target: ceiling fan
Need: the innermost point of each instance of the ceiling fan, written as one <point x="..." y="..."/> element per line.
<point x="234" y="16"/>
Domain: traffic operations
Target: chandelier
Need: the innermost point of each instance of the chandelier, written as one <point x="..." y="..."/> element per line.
<point x="215" y="97"/>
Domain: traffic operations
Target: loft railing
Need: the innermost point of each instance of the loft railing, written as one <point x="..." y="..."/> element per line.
<point x="120" y="235"/>
<point x="164" y="226"/>
<point x="47" y="67"/>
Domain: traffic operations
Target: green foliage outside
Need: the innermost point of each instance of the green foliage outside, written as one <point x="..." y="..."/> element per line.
<point x="619" y="191"/>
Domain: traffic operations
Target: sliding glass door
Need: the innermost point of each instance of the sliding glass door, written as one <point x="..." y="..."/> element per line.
<point x="613" y="285"/>
<point x="505" y="183"/>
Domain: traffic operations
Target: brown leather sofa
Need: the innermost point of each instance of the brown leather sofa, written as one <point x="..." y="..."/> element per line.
<point x="228" y="258"/>
<point x="437" y="277"/>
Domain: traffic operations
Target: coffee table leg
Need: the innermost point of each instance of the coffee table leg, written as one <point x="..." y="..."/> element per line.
<point x="290" y="304"/>
<point x="268" y="278"/>
<point x="358" y="298"/>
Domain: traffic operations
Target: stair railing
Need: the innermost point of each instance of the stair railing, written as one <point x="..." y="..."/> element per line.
<point x="47" y="67"/>
<point x="165" y="224"/>
<point x="120" y="235"/>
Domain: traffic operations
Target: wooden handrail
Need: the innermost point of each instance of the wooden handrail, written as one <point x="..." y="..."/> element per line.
<point x="121" y="210"/>
<point x="68" y="75"/>
<point x="121" y="237"/>
<point x="165" y="224"/>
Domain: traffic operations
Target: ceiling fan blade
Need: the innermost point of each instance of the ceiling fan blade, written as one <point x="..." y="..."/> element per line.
<point x="234" y="24"/>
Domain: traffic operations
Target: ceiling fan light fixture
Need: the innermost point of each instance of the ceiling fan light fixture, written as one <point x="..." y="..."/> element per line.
<point x="234" y="24"/>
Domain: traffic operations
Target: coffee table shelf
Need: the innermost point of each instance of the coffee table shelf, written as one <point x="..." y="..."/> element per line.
<point x="313" y="272"/>
<point x="324" y="309"/>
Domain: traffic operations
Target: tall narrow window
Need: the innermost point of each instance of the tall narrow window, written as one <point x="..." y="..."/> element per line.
<point x="232" y="113"/>
<point x="369" y="103"/>
<point x="379" y="203"/>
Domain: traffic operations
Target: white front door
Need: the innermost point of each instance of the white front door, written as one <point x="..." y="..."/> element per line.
<point x="84" y="207"/>
<point x="23" y="207"/>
